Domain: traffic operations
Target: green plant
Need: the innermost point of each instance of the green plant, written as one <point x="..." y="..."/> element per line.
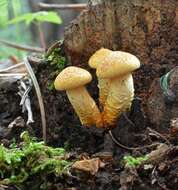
<point x="11" y="9"/>
<point x="15" y="9"/>
<point x="32" y="158"/>
<point x="134" y="162"/>
<point x="37" y="17"/>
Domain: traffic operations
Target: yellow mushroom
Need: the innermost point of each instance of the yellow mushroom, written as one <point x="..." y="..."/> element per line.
<point x="72" y="79"/>
<point x="103" y="84"/>
<point x="117" y="67"/>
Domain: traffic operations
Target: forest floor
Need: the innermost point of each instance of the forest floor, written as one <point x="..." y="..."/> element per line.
<point x="140" y="139"/>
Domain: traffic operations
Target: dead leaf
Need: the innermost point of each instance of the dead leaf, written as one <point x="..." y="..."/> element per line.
<point x="89" y="165"/>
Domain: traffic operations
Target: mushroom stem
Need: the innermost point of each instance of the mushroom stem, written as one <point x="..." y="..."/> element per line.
<point x="119" y="98"/>
<point x="85" y="106"/>
<point x="103" y="85"/>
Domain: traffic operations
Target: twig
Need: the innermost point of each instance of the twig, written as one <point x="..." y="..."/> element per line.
<point x="129" y="121"/>
<point x="12" y="74"/>
<point x="12" y="68"/>
<point x="155" y="178"/>
<point x="53" y="47"/>
<point x="22" y="47"/>
<point x="130" y="148"/>
<point x="77" y="7"/>
<point x="160" y="135"/>
<point x="39" y="96"/>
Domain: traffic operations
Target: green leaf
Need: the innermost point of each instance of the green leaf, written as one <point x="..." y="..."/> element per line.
<point x="41" y="16"/>
<point x="51" y="17"/>
<point x="3" y="12"/>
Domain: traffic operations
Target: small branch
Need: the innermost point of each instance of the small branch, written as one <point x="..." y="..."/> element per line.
<point x="159" y="135"/>
<point x="76" y="7"/>
<point x="22" y="47"/>
<point x="12" y="74"/>
<point x="14" y="68"/>
<point x="53" y="47"/>
<point x="130" y="148"/>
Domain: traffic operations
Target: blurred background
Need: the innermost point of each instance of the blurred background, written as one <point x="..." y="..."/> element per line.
<point x="19" y="25"/>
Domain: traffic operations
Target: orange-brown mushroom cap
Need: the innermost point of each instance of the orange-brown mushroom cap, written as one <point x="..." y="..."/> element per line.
<point x="116" y="64"/>
<point x="72" y="77"/>
<point x="98" y="57"/>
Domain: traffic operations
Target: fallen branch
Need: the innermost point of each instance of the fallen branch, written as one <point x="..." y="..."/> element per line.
<point x="76" y="7"/>
<point x="22" y="47"/>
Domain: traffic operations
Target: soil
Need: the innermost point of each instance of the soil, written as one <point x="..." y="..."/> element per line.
<point x="64" y="129"/>
<point x="156" y="45"/>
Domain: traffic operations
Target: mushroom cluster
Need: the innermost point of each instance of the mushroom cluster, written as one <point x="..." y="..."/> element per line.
<point x="116" y="90"/>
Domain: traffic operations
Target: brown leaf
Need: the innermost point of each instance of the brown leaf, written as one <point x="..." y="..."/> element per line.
<point x="92" y="165"/>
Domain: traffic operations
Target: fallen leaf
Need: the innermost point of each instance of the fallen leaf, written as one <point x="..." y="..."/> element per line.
<point x="88" y="165"/>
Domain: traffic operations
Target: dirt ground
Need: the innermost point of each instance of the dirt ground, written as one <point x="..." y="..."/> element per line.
<point x="154" y="40"/>
<point x="64" y="129"/>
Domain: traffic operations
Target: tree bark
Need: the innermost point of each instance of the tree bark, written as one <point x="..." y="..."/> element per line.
<point x="145" y="28"/>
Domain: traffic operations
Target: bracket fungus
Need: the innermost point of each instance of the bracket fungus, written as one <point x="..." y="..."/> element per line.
<point x="117" y="67"/>
<point x="72" y="79"/>
<point x="103" y="84"/>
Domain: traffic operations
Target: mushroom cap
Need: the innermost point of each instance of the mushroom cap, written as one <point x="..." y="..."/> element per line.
<point x="98" y="57"/>
<point x="116" y="64"/>
<point x="72" y="77"/>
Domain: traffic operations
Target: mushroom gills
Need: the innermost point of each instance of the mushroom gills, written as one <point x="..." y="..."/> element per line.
<point x="85" y="106"/>
<point x="119" y="99"/>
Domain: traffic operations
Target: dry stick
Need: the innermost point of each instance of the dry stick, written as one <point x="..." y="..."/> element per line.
<point x="77" y="7"/>
<point x="11" y="67"/>
<point x="39" y="96"/>
<point x="158" y="134"/>
<point x="22" y="47"/>
<point x="53" y="47"/>
<point x="130" y="148"/>
<point x="12" y="74"/>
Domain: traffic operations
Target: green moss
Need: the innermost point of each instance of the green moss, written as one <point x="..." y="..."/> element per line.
<point x="57" y="63"/>
<point x="32" y="158"/>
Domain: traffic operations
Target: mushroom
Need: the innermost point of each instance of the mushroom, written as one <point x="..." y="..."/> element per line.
<point x="103" y="84"/>
<point x="72" y="79"/>
<point x="117" y="67"/>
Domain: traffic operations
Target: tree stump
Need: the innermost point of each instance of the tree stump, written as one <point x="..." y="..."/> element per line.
<point x="145" y="28"/>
